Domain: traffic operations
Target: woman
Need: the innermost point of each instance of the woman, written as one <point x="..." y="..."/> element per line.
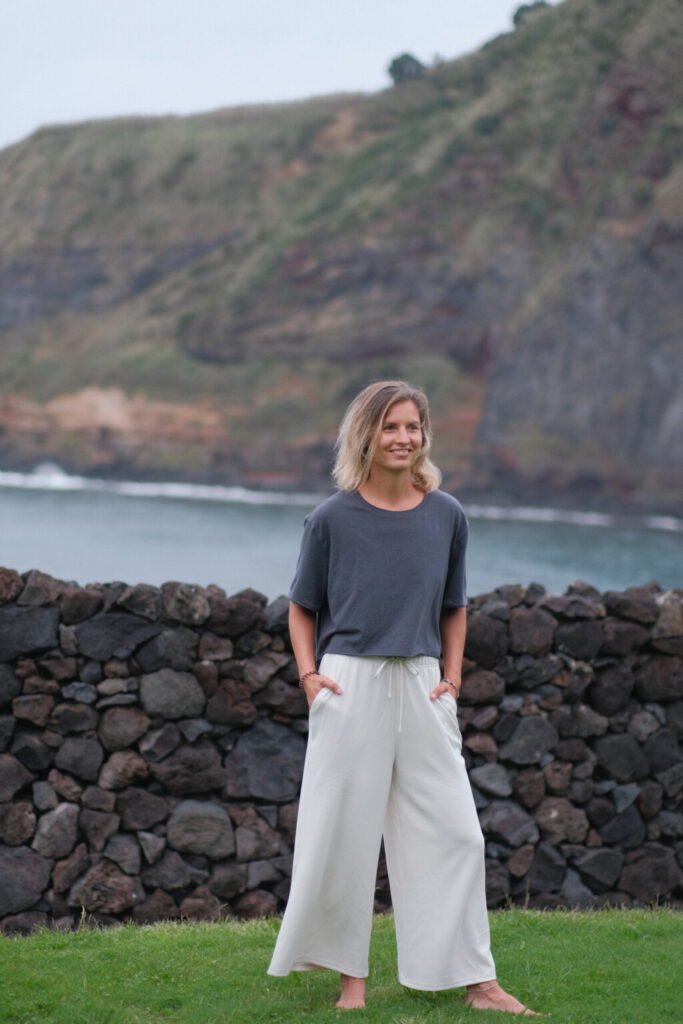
<point x="378" y="595"/>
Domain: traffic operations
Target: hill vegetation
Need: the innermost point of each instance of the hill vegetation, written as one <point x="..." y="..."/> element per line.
<point x="199" y="297"/>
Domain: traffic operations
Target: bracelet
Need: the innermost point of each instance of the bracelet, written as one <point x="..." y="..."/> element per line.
<point x="313" y="672"/>
<point x="450" y="682"/>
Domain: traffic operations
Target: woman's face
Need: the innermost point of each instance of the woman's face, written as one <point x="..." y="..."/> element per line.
<point x="400" y="436"/>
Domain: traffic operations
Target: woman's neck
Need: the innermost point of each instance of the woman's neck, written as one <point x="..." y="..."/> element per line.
<point x="391" y="490"/>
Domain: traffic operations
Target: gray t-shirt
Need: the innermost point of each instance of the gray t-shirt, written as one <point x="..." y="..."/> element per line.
<point x="379" y="579"/>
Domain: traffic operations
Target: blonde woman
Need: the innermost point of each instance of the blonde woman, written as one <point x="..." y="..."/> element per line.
<point x="379" y="595"/>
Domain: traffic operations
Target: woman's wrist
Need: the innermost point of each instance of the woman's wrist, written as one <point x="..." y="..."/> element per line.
<point x="307" y="675"/>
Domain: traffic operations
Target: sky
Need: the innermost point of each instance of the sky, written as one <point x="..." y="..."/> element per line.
<point x="72" y="60"/>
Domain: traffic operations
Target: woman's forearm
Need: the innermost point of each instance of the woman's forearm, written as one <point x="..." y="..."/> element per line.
<point x="302" y="634"/>
<point x="453" y="631"/>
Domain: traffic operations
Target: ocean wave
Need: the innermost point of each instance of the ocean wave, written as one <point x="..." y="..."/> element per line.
<point x="50" y="476"/>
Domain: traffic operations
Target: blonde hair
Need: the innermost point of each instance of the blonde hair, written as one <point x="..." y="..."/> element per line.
<point x="360" y="431"/>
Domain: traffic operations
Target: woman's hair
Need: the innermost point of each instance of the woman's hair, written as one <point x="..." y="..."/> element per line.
<point x="360" y="431"/>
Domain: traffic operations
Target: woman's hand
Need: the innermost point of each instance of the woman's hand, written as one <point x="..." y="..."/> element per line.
<point x="315" y="683"/>
<point x="446" y="686"/>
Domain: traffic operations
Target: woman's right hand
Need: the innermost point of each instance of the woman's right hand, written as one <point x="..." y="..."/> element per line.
<point x="315" y="683"/>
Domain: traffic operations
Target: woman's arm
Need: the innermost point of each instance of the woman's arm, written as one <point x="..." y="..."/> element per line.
<point x="302" y="634"/>
<point x="453" y="627"/>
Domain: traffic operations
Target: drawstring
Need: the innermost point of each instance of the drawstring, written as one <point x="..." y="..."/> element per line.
<point x="411" y="668"/>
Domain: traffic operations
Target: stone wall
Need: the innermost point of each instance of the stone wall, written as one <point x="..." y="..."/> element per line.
<point x="152" y="743"/>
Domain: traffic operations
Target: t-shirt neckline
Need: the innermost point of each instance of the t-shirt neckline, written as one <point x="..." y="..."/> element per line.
<point x="389" y="511"/>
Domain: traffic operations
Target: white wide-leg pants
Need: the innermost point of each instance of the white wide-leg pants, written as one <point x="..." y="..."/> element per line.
<point x="384" y="759"/>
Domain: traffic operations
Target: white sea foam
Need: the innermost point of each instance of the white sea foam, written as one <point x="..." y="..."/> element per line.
<point x="50" y="476"/>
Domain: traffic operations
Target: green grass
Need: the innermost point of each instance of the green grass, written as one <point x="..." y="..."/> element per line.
<point x="605" y="967"/>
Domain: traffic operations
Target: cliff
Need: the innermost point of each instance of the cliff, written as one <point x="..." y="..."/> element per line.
<point x="199" y="297"/>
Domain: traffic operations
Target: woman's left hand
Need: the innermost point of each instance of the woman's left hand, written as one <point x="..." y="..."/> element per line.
<point x="443" y="687"/>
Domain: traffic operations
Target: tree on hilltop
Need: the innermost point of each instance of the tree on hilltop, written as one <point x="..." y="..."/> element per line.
<point x="525" y="10"/>
<point x="405" y="68"/>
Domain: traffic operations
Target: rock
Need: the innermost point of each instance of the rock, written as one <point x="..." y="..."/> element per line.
<point x="152" y="846"/>
<point x="98" y="826"/>
<point x="10" y="686"/>
<point x="35" y="708"/>
<point x="13" y="776"/>
<point x="672" y="780"/>
<point x="142" y="599"/>
<point x="531" y="630"/>
<point x="262" y="667"/>
<point x="666" y="824"/>
<point x="17" y="823"/>
<point x="276" y="615"/>
<point x="124" y="851"/>
<point x="493" y="779"/>
<point x="158" y="906"/>
<point x="184" y="602"/>
<point x="620" y="638"/>
<point x="497" y="883"/>
<point x="575" y="892"/>
<point x="112" y="635"/>
<point x="80" y="756"/>
<point x="231" y="616"/>
<point x="84" y="693"/>
<point x="122" y="727"/>
<point x="193" y="728"/>
<point x="106" y="889"/>
<point x="581" y="640"/>
<point x="266" y="763"/>
<point x="172" y="694"/>
<point x="172" y="648"/>
<point x="560" y="821"/>
<point x="67" y="871"/>
<point x="78" y="604"/>
<point x="159" y="743"/>
<point x="27" y="631"/>
<point x="579" y="720"/>
<point x="191" y="769"/>
<point x="24" y="875"/>
<point x="505" y="820"/>
<point x="114" y="686"/>
<point x="32" y="752"/>
<point x="7" y="723"/>
<point x="172" y="872"/>
<point x="486" y="642"/>
<point x="557" y="775"/>
<point x="65" y="786"/>
<point x="257" y="903"/>
<point x="201" y="827"/>
<point x="44" y="796"/>
<point x="97" y="799"/>
<point x="649" y="799"/>
<point x="548" y="869"/>
<point x="600" y="868"/>
<point x="637" y="603"/>
<point x="624" y="796"/>
<point x="123" y="769"/>
<point x="519" y="861"/>
<point x="228" y="879"/>
<point x="642" y="724"/>
<point x="626" y="829"/>
<point x="483" y="744"/>
<point x="661" y="750"/>
<point x="260" y="872"/>
<point x="201" y="905"/>
<point x="652" y="875"/>
<point x="482" y="687"/>
<point x="26" y="923"/>
<point x="529" y="787"/>
<point x="533" y="672"/>
<point x="57" y="831"/>
<point x="231" y="703"/>
<point x="660" y="678"/>
<point x="214" y="648"/>
<point x="612" y="689"/>
<point x="74" y="718"/>
<point x="532" y="738"/>
<point x="254" y="837"/>
<point x="139" y="809"/>
<point x="621" y="758"/>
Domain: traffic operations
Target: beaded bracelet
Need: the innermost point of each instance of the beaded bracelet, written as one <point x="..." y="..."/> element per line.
<point x="313" y="672"/>
<point x="450" y="682"/>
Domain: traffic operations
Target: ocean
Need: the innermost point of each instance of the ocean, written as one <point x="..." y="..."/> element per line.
<point x="98" y="531"/>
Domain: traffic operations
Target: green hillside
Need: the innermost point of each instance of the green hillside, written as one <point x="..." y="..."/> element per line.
<point x="504" y="231"/>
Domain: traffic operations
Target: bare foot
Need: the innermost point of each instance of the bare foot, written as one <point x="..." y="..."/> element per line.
<point x="489" y="995"/>
<point x="352" y="993"/>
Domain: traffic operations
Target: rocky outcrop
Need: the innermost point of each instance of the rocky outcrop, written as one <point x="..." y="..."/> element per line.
<point x="152" y="744"/>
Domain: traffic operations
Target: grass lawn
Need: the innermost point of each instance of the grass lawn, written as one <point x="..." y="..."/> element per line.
<point x="604" y="967"/>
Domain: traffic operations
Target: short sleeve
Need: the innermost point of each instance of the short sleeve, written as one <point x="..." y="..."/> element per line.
<point x="309" y="586"/>
<point x="455" y="592"/>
